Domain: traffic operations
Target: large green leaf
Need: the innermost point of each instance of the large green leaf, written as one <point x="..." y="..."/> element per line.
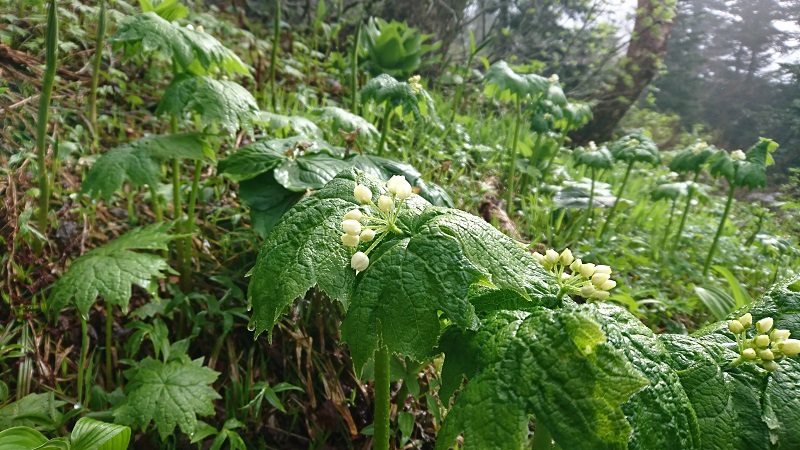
<point x="218" y="102"/>
<point x="385" y="89"/>
<point x="693" y="158"/>
<point x="168" y="10"/>
<point x="670" y="191"/>
<point x="170" y="394"/>
<point x="21" y="438"/>
<point x="90" y="434"/>
<point x="342" y="119"/>
<point x="635" y="147"/>
<point x="31" y="410"/>
<point x="192" y="50"/>
<point x="394" y="48"/>
<point x="295" y="124"/>
<point x="110" y="270"/>
<point x="752" y="172"/>
<point x="262" y="156"/>
<point x="428" y="268"/>
<point x="595" y="158"/>
<point x="139" y="162"/>
<point x="501" y="79"/>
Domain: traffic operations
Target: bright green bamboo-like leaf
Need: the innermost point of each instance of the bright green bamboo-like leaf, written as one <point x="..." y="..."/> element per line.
<point x="21" y="438"/>
<point x="218" y="102"/>
<point x="191" y="49"/>
<point x="110" y="270"/>
<point x="139" y="162"/>
<point x="170" y="394"/>
<point x="90" y="434"/>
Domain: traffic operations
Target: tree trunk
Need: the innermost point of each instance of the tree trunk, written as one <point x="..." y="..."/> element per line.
<point x="646" y="51"/>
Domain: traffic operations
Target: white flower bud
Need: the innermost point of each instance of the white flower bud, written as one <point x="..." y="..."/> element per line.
<point x="749" y="354"/>
<point x="746" y="320"/>
<point x="764" y="325"/>
<point x="780" y="335"/>
<point x="538" y="257"/>
<point x="565" y="276"/>
<point x="791" y="347"/>
<point x="385" y="203"/>
<point x="738" y="155"/>
<point x="362" y="193"/>
<point x="352" y="227"/>
<point x="761" y="341"/>
<point x="367" y="235"/>
<point x="587" y="270"/>
<point x="553" y="78"/>
<point x="353" y="214"/>
<point x="575" y="266"/>
<point x="404" y="190"/>
<point x="599" y="278"/>
<point x="200" y="28"/>
<point x="603" y="269"/>
<point x="587" y="290"/>
<point x="566" y="257"/>
<point x="394" y="182"/>
<point x="600" y="295"/>
<point x="551" y="256"/>
<point x="770" y="366"/>
<point x="189" y="26"/>
<point x="766" y="355"/>
<point x="608" y="285"/>
<point x="349" y="240"/>
<point x="592" y="146"/>
<point x="359" y="261"/>
<point x="735" y="326"/>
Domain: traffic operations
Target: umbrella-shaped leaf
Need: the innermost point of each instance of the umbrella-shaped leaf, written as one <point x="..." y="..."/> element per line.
<point x="693" y="158"/>
<point x="671" y="191"/>
<point x="262" y="156"/>
<point x="598" y="158"/>
<point x="139" y="162"/>
<point x="500" y="79"/>
<point x="192" y="50"/>
<point x="555" y="94"/>
<point x="341" y="119"/>
<point x="110" y="270"/>
<point x="722" y="166"/>
<point x="575" y="195"/>
<point x="635" y="147"/>
<point x="385" y="89"/>
<point x="576" y="115"/>
<point x="752" y="172"/>
<point x="268" y="201"/>
<point x="217" y="102"/>
<point x="296" y="124"/>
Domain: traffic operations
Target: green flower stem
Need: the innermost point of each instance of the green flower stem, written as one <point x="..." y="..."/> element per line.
<point x="590" y="206"/>
<point x="537" y="144"/>
<point x="109" y="360"/>
<point x="512" y="170"/>
<point x="382" y="398"/>
<point x="542" y="440"/>
<point x="559" y="144"/>
<point x="177" y="209"/>
<point x="689" y="196"/>
<point x="51" y="51"/>
<point x="273" y="60"/>
<point x="354" y="71"/>
<point x="82" y="358"/>
<point x="98" y="56"/>
<point x="387" y="116"/>
<point x="669" y="223"/>
<point x="186" y="272"/>
<point x="616" y="201"/>
<point x="728" y="204"/>
<point x="156" y="201"/>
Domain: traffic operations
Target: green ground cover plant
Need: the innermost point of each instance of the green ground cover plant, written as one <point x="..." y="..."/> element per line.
<point x="338" y="270"/>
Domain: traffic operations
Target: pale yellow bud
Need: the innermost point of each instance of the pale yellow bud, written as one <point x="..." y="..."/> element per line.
<point x="770" y="366"/>
<point x="608" y="285"/>
<point x="367" y="235"/>
<point x="735" y="326"/>
<point x="359" y="261"/>
<point x="766" y="355"/>
<point x="385" y="203"/>
<point x="791" y="347"/>
<point x="352" y="227"/>
<point x="566" y="257"/>
<point x="587" y="270"/>
<point x="551" y="256"/>
<point x="599" y="278"/>
<point x="349" y="240"/>
<point x="746" y="320"/>
<point x="749" y="354"/>
<point x="362" y="193"/>
<point x="761" y="341"/>
<point x="603" y="269"/>
<point x="764" y="324"/>
<point x="353" y="214"/>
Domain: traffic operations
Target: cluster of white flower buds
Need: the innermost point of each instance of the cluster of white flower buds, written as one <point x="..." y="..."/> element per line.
<point x="592" y="146"/>
<point x="588" y="280"/>
<point x="553" y="78"/>
<point x="416" y="86"/>
<point x="767" y="347"/>
<point x="738" y="155"/>
<point x="387" y="208"/>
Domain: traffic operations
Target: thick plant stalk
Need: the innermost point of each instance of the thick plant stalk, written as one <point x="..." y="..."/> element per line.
<point x="186" y="270"/>
<point x="354" y="71"/>
<point x="387" y="116"/>
<point x="616" y="201"/>
<point x="689" y="196"/>
<point x="669" y="223"/>
<point x="382" y="398"/>
<point x="98" y="57"/>
<point x="513" y="169"/>
<point x="109" y="360"/>
<point x="728" y="204"/>
<point x="82" y="358"/>
<point x="51" y="51"/>
<point x="273" y="60"/>
<point x="177" y="210"/>
<point x="590" y="206"/>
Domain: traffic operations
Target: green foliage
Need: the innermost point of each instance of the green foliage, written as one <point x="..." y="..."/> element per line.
<point x="598" y="159"/>
<point x="31" y="411"/>
<point x="171" y="394"/>
<point x="192" y="50"/>
<point x="385" y="89"/>
<point x="295" y="124"/>
<point x="693" y="158"/>
<point x="218" y="102"/>
<point x="635" y="147"/>
<point x="635" y="389"/>
<point x="110" y="270"/>
<point x="168" y="10"/>
<point x="503" y="81"/>
<point x="342" y="119"/>
<point x="750" y="172"/>
<point x="139" y="162"/>
<point x="21" y="438"/>
<point x="428" y="268"/>
<point x="394" y="48"/>
<point x="90" y="434"/>
<point x="671" y="191"/>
